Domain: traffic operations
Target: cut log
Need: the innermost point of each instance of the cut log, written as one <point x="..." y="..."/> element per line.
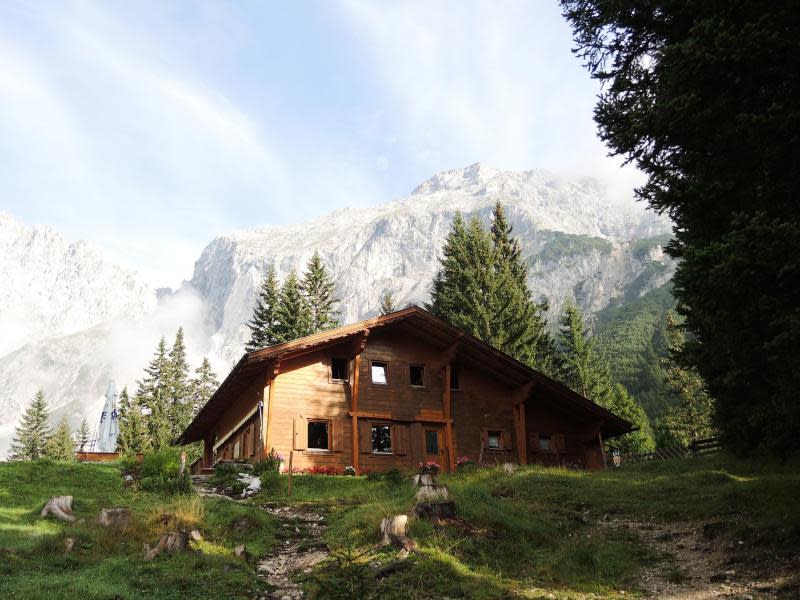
<point x="173" y="542"/>
<point x="435" y="510"/>
<point x="60" y="507"/>
<point x="432" y="493"/>
<point x="422" y="479"/>
<point x="116" y="519"/>
<point x="395" y="533"/>
<point x="240" y="551"/>
<point x="195" y="535"/>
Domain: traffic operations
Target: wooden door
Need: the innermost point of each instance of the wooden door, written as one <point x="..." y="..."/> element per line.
<point x="433" y="445"/>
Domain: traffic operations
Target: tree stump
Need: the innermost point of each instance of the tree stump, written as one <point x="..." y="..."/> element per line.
<point x="60" y="507"/>
<point x="432" y="493"/>
<point x="116" y="519"/>
<point x="509" y="468"/>
<point x="435" y="510"/>
<point x="423" y="479"/>
<point x="69" y="544"/>
<point x="173" y="542"/>
<point x="395" y="533"/>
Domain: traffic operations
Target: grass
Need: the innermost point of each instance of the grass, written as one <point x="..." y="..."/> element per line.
<point x="104" y="565"/>
<point x="541" y="531"/>
<point x="535" y="533"/>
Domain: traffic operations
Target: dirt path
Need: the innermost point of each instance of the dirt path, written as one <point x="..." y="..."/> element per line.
<point x="702" y="564"/>
<point x="300" y="549"/>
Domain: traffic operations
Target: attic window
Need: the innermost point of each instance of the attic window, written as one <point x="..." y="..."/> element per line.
<point x="339" y="369"/>
<point x="416" y="375"/>
<point x="454" y="380"/>
<point x="379" y="372"/>
<point x="493" y="440"/>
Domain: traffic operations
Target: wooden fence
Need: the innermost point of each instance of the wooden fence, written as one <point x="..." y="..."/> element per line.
<point x="695" y="448"/>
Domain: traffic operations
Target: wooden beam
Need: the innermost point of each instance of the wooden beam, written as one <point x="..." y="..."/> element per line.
<point x="522" y="438"/>
<point x="447" y="409"/>
<point x="359" y="348"/>
<point x="602" y="449"/>
<point x="521" y="394"/>
<point x="271" y="375"/>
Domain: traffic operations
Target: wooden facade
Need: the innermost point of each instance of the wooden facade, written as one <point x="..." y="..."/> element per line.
<point x="394" y="391"/>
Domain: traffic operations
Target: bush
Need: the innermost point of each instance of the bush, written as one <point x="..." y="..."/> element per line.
<point x="394" y="477"/>
<point x="271" y="483"/>
<point x="374" y="475"/>
<point x="226" y="476"/>
<point x="271" y="463"/>
<point x="159" y="473"/>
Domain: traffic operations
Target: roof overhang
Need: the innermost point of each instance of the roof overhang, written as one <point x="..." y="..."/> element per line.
<point x="263" y="364"/>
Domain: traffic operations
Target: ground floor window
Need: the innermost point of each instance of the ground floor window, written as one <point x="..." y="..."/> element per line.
<point x="431" y="441"/>
<point x="493" y="438"/>
<point x="544" y="443"/>
<point x="318" y="435"/>
<point x="382" y="439"/>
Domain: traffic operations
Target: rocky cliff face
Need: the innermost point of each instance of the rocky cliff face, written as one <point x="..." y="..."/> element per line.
<point x="77" y="321"/>
<point x="579" y="243"/>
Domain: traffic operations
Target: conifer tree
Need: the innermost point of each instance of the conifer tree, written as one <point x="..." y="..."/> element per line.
<point x="133" y="432"/>
<point x="294" y="317"/>
<point x="520" y="319"/>
<point x="586" y="372"/>
<point x="264" y="322"/>
<point x="202" y="386"/>
<point x="179" y="405"/>
<point x="691" y="413"/>
<point x="153" y="396"/>
<point x="33" y="431"/>
<point x="581" y="367"/>
<point x="60" y="445"/>
<point x="318" y="289"/>
<point x="463" y="289"/>
<point x="387" y="303"/>
<point x="482" y="288"/>
<point x="83" y="435"/>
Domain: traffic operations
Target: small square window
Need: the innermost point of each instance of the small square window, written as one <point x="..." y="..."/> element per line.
<point x="318" y="435"/>
<point x="416" y="375"/>
<point x="339" y="369"/>
<point x="544" y="443"/>
<point x="382" y="439"/>
<point x="379" y="372"/>
<point x="494" y="440"/>
<point x="454" y="380"/>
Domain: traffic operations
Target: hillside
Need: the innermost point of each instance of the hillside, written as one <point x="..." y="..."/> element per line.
<point x="694" y="529"/>
<point x="73" y="320"/>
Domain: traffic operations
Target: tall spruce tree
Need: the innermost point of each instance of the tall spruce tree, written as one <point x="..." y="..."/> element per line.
<point x="586" y="372"/>
<point x="387" y="303"/>
<point x="691" y="413"/>
<point x="83" y="436"/>
<point x="521" y="319"/>
<point x="581" y="366"/>
<point x="133" y="432"/>
<point x="265" y="314"/>
<point x="294" y="317"/>
<point x="481" y="287"/>
<point x="318" y="289"/>
<point x="60" y="445"/>
<point x="153" y="395"/>
<point x="33" y="431"/>
<point x="202" y="386"/>
<point x="179" y="404"/>
<point x="703" y="98"/>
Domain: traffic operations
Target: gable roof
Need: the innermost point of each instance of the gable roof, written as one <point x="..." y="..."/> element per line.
<point x="421" y="323"/>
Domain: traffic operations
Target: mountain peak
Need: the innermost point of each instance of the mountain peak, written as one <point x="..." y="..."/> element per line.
<point x="457" y="179"/>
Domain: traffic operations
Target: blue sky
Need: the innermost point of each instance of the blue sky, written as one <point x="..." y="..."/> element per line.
<point x="148" y="128"/>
